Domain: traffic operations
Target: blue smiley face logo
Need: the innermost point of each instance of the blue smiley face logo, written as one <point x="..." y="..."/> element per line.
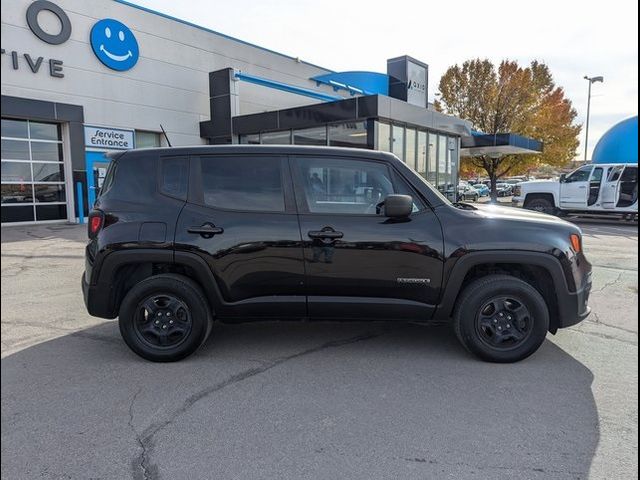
<point x="114" y="44"/>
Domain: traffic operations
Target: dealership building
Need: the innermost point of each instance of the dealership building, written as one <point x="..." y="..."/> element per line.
<point x="82" y="78"/>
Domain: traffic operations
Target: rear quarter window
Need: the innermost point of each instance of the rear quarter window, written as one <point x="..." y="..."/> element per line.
<point x="174" y="176"/>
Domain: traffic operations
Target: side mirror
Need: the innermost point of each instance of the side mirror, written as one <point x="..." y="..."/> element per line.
<point x="563" y="177"/>
<point x="398" y="206"/>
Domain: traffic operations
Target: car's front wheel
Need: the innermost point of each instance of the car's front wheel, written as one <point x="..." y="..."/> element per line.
<point x="501" y="318"/>
<point x="165" y="318"/>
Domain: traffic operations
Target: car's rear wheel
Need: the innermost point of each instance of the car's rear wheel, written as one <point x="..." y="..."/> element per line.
<point x="165" y="318"/>
<point x="541" y="205"/>
<point x="501" y="318"/>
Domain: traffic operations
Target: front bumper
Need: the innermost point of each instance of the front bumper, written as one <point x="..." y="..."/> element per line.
<point x="574" y="306"/>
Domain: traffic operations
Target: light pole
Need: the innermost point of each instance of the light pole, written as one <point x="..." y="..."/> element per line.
<point x="591" y="80"/>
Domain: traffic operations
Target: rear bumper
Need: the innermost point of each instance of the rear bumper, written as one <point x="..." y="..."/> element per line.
<point x="517" y="201"/>
<point x="97" y="299"/>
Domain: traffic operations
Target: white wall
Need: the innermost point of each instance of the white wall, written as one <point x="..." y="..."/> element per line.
<point x="168" y="85"/>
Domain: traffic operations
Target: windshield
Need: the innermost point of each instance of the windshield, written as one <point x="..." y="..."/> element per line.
<point x="435" y="191"/>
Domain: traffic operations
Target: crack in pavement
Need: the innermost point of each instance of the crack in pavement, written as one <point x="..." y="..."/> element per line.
<point x="492" y="467"/>
<point x="597" y="321"/>
<point x="140" y="470"/>
<point x="146" y="439"/>
<point x="604" y="336"/>
<point x="609" y="284"/>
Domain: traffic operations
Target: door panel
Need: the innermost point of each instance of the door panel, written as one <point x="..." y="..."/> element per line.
<point x="574" y="191"/>
<point x="595" y="186"/>
<point x="610" y="189"/>
<point x="628" y="189"/>
<point x="361" y="264"/>
<point x="254" y="251"/>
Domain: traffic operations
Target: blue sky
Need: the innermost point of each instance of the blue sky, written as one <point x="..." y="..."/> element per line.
<point x="575" y="38"/>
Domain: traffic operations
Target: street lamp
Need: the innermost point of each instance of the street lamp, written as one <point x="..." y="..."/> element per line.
<point x="592" y="80"/>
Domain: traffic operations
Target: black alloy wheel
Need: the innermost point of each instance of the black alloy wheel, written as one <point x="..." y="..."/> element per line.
<point x="504" y="322"/>
<point x="163" y="321"/>
<point x="501" y="318"/>
<point x="165" y="317"/>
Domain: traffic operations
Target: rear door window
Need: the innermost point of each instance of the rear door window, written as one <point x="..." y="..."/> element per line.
<point x="246" y="183"/>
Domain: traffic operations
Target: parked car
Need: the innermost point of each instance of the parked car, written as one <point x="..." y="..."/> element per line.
<point x="504" y="189"/>
<point x="610" y="189"/>
<point x="482" y="189"/>
<point x="467" y="192"/>
<point x="180" y="237"/>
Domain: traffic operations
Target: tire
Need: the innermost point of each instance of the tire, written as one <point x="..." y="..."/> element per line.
<point x="472" y="321"/>
<point x="165" y="318"/>
<point x="541" y="205"/>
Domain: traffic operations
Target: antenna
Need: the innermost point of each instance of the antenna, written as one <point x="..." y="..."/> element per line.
<point x="166" y="137"/>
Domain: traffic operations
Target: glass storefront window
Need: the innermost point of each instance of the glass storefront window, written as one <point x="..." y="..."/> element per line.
<point x="251" y="139"/>
<point x="432" y="170"/>
<point x="276" y="138"/>
<point x="14" y="128"/>
<point x="44" y="131"/>
<point x="421" y="151"/>
<point x="147" y="139"/>
<point x="410" y="148"/>
<point x="397" y="141"/>
<point x="310" y="136"/>
<point x="353" y="134"/>
<point x="383" y="134"/>
<point x="46" y="151"/>
<point x="15" y="149"/>
<point x="33" y="187"/>
<point x="443" y="177"/>
<point x="16" y="172"/>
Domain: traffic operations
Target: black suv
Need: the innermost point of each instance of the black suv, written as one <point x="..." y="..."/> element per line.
<point x="182" y="236"/>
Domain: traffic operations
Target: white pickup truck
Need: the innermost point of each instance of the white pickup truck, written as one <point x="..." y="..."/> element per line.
<point x="590" y="189"/>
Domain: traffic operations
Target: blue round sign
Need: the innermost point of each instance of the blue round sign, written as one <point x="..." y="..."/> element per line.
<point x="114" y="44"/>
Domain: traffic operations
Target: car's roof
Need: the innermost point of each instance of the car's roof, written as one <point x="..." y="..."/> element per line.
<point x="262" y="149"/>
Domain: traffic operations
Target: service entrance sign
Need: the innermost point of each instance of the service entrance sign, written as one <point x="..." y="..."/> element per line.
<point x="108" y="138"/>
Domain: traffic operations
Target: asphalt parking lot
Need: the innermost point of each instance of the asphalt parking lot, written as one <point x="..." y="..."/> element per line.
<point x="296" y="401"/>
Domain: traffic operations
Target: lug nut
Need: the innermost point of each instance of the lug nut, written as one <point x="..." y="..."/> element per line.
<point x="157" y="322"/>
<point x="168" y="314"/>
<point x="159" y="314"/>
<point x="508" y="325"/>
<point x="495" y="320"/>
<point x="171" y="322"/>
<point x="499" y="328"/>
<point x="164" y="326"/>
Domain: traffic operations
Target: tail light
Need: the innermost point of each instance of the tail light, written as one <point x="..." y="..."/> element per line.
<point x="576" y="242"/>
<point x="95" y="224"/>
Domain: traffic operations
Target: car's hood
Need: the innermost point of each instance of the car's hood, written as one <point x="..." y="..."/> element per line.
<point x="539" y="183"/>
<point x="499" y="212"/>
<point x="494" y="227"/>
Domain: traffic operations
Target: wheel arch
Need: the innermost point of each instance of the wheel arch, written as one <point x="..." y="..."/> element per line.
<point x="529" y="197"/>
<point x="121" y="270"/>
<point x="541" y="270"/>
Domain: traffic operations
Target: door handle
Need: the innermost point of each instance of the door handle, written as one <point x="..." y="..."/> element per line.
<point x="582" y="186"/>
<point x="327" y="233"/>
<point x="206" y="230"/>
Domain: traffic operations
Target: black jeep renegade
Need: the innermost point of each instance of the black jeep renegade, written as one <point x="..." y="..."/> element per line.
<point x="181" y="237"/>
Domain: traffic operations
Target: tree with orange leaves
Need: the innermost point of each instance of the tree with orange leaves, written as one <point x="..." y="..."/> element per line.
<point x="515" y="99"/>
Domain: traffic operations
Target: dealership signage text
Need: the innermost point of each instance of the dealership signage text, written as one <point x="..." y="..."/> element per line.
<point x="108" y="138"/>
